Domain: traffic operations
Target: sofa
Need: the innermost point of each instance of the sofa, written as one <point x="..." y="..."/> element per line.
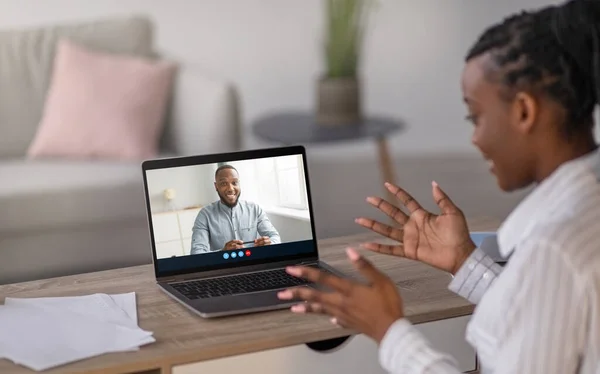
<point x="69" y="216"/>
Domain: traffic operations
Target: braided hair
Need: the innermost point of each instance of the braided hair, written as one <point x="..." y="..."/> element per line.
<point x="553" y="51"/>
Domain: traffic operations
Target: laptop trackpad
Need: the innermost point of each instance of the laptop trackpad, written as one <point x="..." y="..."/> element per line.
<point x="265" y="299"/>
<point x="239" y="303"/>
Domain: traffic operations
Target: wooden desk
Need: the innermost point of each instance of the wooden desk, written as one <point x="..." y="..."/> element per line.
<point x="183" y="337"/>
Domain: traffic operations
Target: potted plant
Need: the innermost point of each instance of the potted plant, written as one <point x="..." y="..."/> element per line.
<point x="338" y="90"/>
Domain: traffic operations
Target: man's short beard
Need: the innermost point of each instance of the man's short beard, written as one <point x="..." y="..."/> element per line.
<point x="237" y="199"/>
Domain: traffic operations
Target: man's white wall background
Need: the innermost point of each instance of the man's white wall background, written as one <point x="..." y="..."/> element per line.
<point x="193" y="185"/>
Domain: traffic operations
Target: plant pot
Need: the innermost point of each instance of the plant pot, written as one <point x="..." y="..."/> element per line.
<point x="338" y="102"/>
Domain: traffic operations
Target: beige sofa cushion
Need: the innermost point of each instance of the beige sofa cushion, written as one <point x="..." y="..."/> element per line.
<point x="45" y="195"/>
<point x="26" y="60"/>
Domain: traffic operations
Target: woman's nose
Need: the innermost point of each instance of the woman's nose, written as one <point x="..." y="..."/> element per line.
<point x="474" y="139"/>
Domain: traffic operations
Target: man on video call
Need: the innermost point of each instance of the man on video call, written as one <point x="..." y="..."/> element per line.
<point x="231" y="223"/>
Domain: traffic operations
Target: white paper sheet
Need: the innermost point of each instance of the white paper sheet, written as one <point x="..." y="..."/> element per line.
<point x="110" y="308"/>
<point x="43" y="333"/>
<point x="127" y="302"/>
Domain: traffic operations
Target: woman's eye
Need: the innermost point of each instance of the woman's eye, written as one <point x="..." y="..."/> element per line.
<point x="471" y="118"/>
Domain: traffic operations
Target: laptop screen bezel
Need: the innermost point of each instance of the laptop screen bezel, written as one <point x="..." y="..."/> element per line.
<point x="174" y="162"/>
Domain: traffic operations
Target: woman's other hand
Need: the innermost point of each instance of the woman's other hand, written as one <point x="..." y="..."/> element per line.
<point x="440" y="240"/>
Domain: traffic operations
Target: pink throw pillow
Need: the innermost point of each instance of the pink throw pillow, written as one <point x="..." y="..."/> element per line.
<point x="103" y="106"/>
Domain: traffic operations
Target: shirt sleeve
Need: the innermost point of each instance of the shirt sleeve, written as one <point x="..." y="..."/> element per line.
<point x="200" y="235"/>
<point x="404" y="350"/>
<point x="266" y="228"/>
<point x="546" y="329"/>
<point x="545" y="332"/>
<point x="475" y="276"/>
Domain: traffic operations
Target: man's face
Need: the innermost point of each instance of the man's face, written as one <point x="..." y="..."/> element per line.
<point x="228" y="187"/>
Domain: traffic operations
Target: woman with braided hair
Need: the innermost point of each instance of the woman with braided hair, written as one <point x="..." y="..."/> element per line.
<point x="531" y="84"/>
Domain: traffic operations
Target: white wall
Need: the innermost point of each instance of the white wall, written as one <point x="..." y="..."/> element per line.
<point x="291" y="229"/>
<point x="271" y="50"/>
<point x="194" y="185"/>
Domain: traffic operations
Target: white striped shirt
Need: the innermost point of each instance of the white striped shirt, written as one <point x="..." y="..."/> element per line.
<point x="540" y="314"/>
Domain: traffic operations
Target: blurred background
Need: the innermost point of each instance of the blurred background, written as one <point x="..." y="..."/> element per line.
<point x="196" y="77"/>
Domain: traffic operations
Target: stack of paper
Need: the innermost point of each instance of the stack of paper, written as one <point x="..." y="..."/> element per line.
<point x="43" y="333"/>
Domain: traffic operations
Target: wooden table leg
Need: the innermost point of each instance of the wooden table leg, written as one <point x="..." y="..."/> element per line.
<point x="386" y="165"/>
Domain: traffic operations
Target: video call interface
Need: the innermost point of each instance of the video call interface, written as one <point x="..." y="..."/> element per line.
<point x="218" y="214"/>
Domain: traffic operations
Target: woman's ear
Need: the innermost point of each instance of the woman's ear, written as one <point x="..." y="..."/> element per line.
<point x="525" y="112"/>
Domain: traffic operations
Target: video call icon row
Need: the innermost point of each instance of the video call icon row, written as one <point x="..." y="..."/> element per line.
<point x="232" y="254"/>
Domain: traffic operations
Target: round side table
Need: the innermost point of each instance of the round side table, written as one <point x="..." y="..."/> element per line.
<point x="299" y="128"/>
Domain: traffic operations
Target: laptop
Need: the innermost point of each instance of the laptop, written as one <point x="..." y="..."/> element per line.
<point x="223" y="227"/>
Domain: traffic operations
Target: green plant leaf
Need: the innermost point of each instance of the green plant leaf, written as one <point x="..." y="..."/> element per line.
<point x="345" y="27"/>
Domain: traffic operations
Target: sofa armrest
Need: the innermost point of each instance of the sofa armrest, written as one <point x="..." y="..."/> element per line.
<point x="203" y="115"/>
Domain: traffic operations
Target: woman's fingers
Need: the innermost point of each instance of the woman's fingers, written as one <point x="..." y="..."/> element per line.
<point x="337" y="315"/>
<point x="391" y="210"/>
<point x="318" y="308"/>
<point x="405" y="198"/>
<point x="443" y="201"/>
<point x="381" y="228"/>
<point x="386" y="249"/>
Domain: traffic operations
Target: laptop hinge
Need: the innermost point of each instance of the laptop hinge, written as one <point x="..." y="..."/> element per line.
<point x="165" y="280"/>
<point x="196" y="275"/>
<point x="175" y="279"/>
<point x="179" y="278"/>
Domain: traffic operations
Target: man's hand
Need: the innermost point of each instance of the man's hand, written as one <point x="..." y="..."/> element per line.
<point x="440" y="240"/>
<point x="264" y="240"/>
<point x="234" y="244"/>
<point x="367" y="308"/>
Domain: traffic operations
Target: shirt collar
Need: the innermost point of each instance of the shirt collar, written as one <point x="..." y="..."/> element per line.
<point x="542" y="202"/>
<point x="227" y="208"/>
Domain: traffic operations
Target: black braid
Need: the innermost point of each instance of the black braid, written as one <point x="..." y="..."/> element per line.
<point x="555" y="51"/>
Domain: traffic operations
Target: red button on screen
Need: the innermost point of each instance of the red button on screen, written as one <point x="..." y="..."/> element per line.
<point x="248" y="253"/>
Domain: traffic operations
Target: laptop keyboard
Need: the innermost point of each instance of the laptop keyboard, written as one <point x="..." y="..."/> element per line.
<point x="238" y="284"/>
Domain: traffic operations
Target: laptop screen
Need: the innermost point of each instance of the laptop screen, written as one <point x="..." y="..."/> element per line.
<point x="220" y="211"/>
